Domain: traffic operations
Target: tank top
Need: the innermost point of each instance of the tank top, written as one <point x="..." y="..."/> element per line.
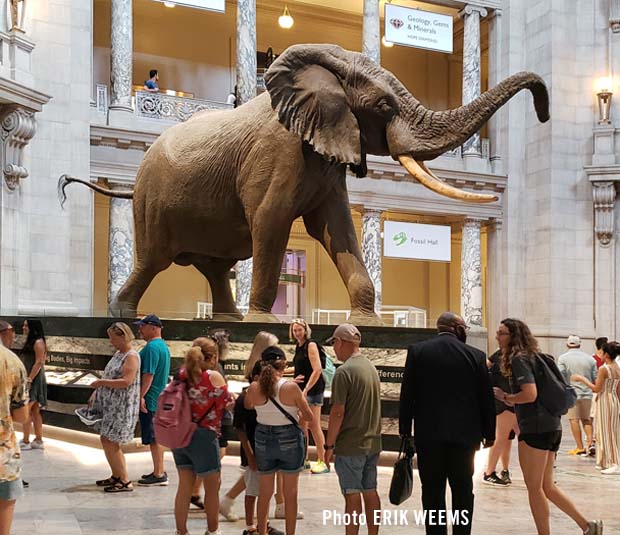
<point x="269" y="414"/>
<point x="302" y="365"/>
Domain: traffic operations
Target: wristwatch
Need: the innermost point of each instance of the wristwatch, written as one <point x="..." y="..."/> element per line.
<point x="328" y="447"/>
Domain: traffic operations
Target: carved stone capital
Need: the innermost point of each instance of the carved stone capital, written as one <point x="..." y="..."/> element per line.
<point x="614" y="15"/>
<point x="471" y="10"/>
<point x="17" y="127"/>
<point x="604" y="196"/>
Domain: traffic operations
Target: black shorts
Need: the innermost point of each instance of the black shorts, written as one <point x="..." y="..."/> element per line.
<point x="227" y="433"/>
<point x="146" y="427"/>
<point x="543" y="441"/>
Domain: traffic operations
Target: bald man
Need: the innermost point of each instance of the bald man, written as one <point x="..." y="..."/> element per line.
<point x="447" y="393"/>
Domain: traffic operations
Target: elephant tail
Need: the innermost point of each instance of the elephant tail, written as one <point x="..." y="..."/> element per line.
<point x="65" y="180"/>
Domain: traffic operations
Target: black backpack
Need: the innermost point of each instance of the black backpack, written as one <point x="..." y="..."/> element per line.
<point x="554" y="393"/>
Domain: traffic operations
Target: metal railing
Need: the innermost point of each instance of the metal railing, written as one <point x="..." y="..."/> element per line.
<point x="170" y="108"/>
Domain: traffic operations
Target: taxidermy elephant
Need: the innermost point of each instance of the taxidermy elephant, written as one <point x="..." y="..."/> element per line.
<point x="227" y="185"/>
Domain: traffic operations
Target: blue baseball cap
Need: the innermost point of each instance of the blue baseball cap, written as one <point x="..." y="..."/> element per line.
<point x="151" y="319"/>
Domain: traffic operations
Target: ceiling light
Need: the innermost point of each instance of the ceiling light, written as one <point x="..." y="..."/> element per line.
<point x="285" y="20"/>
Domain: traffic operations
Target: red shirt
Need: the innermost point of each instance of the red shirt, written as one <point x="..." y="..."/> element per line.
<point x="204" y="397"/>
<point x="599" y="361"/>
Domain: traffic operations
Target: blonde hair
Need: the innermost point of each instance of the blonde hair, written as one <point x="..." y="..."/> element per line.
<point x="195" y="364"/>
<point x="262" y="341"/>
<point x="302" y="322"/>
<point x="121" y="329"/>
<point x="208" y="348"/>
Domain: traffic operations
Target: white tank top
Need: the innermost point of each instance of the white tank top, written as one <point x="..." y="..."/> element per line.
<point x="269" y="414"/>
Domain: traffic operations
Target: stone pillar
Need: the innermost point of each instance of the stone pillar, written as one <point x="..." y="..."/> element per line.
<point x="121" y="50"/>
<point x="246" y="90"/>
<point x="93" y="103"/>
<point x="495" y="76"/>
<point x="471" y="68"/>
<point x="371" y="250"/>
<point x="121" y="245"/>
<point x="371" y="32"/>
<point x="471" y="273"/>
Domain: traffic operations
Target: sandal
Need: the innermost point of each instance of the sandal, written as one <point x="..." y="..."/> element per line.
<point x="119" y="486"/>
<point x="107" y="482"/>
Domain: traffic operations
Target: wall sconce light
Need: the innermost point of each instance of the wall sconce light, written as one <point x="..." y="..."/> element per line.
<point x="285" y="20"/>
<point x="604" y="94"/>
<point x="386" y="43"/>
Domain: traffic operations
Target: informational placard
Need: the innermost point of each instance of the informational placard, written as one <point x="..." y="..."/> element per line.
<point x="211" y="5"/>
<point x="416" y="241"/>
<point x="421" y="29"/>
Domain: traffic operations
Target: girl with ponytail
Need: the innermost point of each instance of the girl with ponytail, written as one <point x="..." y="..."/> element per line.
<point x="279" y="440"/>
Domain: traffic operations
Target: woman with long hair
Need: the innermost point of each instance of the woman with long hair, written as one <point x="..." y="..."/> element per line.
<point x="34" y="355"/>
<point x="607" y="409"/>
<point x="308" y="370"/>
<point x="209" y="398"/>
<point x="279" y="441"/>
<point x="540" y="432"/>
<point x="117" y="396"/>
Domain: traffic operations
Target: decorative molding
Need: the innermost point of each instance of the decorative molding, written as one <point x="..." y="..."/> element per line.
<point x="16" y="129"/>
<point x="121" y="138"/>
<point x="614" y="15"/>
<point x="604" y="196"/>
<point x="168" y="107"/>
<point x="470" y="9"/>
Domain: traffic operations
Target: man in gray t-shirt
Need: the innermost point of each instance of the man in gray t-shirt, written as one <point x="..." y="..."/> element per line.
<point x="576" y="362"/>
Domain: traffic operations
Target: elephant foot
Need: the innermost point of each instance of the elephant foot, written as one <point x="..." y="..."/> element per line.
<point x="366" y="319"/>
<point x="227" y="316"/>
<point x="256" y="316"/>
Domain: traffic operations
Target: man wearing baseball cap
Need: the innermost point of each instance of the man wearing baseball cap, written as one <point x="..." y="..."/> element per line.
<point x="576" y="362"/>
<point x="154" y="370"/>
<point x="356" y="439"/>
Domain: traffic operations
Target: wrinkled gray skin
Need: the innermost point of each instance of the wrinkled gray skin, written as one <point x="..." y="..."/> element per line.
<point x="227" y="185"/>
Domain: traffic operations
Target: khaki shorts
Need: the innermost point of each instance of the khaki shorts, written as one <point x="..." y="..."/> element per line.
<point x="581" y="410"/>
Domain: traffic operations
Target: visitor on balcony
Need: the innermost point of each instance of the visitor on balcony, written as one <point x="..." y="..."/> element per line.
<point x="151" y="84"/>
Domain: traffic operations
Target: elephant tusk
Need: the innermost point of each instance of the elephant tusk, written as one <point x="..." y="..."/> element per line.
<point x="423" y="175"/>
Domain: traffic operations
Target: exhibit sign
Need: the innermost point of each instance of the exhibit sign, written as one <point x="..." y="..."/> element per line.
<point x="211" y="5"/>
<point x="415" y="241"/>
<point x="421" y="29"/>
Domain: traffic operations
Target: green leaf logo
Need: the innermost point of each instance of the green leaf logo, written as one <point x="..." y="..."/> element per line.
<point x="400" y="238"/>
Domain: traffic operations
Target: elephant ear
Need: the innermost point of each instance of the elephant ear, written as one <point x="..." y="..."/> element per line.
<point x="311" y="102"/>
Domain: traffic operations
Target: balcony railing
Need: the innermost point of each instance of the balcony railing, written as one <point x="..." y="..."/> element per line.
<point x="170" y="108"/>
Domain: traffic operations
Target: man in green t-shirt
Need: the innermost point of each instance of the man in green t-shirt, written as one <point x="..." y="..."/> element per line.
<point x="154" y="374"/>
<point x="356" y="439"/>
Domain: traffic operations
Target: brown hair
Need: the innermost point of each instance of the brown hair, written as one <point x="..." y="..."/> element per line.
<point x="209" y="349"/>
<point x="612" y="349"/>
<point x="262" y="341"/>
<point x="121" y="329"/>
<point x="195" y="364"/>
<point x="521" y="344"/>
<point x="302" y="322"/>
<point x="267" y="379"/>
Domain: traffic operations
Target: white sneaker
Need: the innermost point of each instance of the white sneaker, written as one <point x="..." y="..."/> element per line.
<point x="218" y="532"/>
<point x="279" y="512"/>
<point x="37" y="445"/>
<point x="611" y="471"/>
<point x="595" y="527"/>
<point x="25" y="446"/>
<point x="226" y="505"/>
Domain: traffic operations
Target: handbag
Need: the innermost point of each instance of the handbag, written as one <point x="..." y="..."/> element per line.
<point x="285" y="412"/>
<point x="401" y="486"/>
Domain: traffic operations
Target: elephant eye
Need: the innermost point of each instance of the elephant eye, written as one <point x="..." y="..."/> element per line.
<point x="384" y="106"/>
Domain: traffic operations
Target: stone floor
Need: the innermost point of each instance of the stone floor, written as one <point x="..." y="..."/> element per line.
<point x="63" y="499"/>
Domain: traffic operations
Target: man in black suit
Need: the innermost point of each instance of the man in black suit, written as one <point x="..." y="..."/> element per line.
<point x="447" y="392"/>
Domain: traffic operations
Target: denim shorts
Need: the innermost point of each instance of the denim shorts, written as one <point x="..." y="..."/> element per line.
<point x="11" y="490"/>
<point x="357" y="473"/>
<point x="202" y="455"/>
<point x="279" y="448"/>
<point x="147" y="433"/>
<point x="315" y="399"/>
<point x="250" y="477"/>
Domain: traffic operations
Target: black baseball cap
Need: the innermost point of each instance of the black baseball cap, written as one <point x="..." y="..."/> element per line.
<point x="151" y="319"/>
<point x="273" y="353"/>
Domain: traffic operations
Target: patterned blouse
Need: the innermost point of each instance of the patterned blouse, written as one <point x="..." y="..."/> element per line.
<point x="204" y="397"/>
<point x="13" y="395"/>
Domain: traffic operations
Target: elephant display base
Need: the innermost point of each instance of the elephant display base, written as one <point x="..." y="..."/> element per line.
<point x="254" y="316"/>
<point x="227" y="316"/>
<point x="368" y="320"/>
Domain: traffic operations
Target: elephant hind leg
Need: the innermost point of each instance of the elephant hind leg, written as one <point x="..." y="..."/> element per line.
<point x="217" y="271"/>
<point x="125" y="304"/>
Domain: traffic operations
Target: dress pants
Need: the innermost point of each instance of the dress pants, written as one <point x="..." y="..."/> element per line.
<point x="438" y="463"/>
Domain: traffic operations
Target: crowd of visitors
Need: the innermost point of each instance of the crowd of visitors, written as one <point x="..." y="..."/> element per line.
<point x="453" y="398"/>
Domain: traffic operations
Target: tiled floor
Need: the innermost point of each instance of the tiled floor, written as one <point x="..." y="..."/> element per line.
<point x="63" y="500"/>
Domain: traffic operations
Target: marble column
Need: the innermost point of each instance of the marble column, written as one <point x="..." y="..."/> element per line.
<point x="121" y="245"/>
<point x="471" y="273"/>
<point x="371" y="31"/>
<point x="495" y="76"/>
<point x="371" y="250"/>
<point x="471" y="68"/>
<point x="121" y="50"/>
<point x="246" y="90"/>
<point x="93" y="103"/>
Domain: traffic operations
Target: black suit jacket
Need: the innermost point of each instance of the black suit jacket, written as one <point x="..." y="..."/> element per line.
<point x="447" y="392"/>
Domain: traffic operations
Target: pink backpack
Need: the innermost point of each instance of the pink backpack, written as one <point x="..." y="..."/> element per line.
<point x="173" y="423"/>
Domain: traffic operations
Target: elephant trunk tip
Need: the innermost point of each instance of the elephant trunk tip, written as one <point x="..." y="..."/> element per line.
<point x="541" y="99"/>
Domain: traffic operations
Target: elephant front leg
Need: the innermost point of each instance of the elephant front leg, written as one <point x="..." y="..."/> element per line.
<point x="331" y="224"/>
